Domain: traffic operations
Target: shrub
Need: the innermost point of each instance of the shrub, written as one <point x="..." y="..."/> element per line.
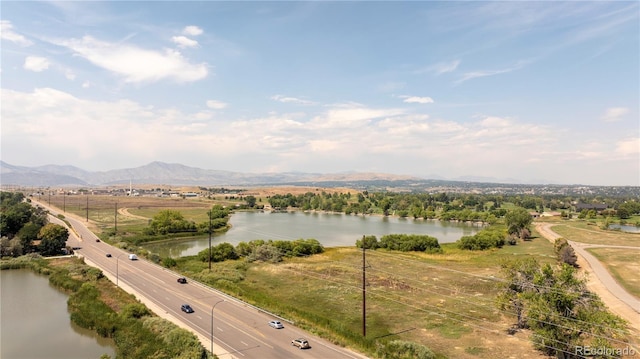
<point x="485" y="239"/>
<point x="371" y="242"/>
<point x="410" y="243"/>
<point x="399" y="349"/>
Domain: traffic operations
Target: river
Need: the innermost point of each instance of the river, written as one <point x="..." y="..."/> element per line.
<point x="36" y="325"/>
<point x="330" y="229"/>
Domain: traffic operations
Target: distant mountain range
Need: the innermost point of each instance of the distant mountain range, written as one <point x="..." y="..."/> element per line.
<point x="168" y="174"/>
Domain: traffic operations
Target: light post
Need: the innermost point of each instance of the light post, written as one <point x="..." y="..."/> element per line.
<point x="117" y="258"/>
<point x="214" y="305"/>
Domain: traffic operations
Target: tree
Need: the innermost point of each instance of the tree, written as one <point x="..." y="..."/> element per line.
<point x="518" y="288"/>
<point x="251" y="201"/>
<point x="517" y="220"/>
<point x="52" y="239"/>
<point x="29" y="233"/>
<point x="561" y="313"/>
<point x="170" y="221"/>
<point x="13" y="217"/>
<point x="565" y="315"/>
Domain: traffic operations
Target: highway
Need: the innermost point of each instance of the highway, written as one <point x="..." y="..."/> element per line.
<point x="239" y="330"/>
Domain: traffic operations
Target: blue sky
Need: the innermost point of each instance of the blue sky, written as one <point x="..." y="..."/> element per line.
<point x="538" y="92"/>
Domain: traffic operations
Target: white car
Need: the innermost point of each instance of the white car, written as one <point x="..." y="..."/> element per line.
<point x="276" y="324"/>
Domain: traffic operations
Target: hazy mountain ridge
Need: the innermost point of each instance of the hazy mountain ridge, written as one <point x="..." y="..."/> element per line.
<point x="165" y="173"/>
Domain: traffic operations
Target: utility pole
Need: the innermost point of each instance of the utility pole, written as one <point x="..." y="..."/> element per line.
<point x="210" y="214"/>
<point x="115" y="219"/>
<point x="87" y="207"/>
<point x="364" y="290"/>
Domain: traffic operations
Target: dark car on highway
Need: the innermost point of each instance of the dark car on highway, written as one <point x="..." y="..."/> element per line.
<point x="182" y="280"/>
<point x="187" y="308"/>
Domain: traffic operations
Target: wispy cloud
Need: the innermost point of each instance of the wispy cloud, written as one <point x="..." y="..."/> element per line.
<point x="36" y="63"/>
<point x="440" y="68"/>
<point x="135" y="64"/>
<point x="614" y="114"/>
<point x="289" y="99"/>
<point x="7" y="33"/>
<point x="486" y="73"/>
<point x="444" y="67"/>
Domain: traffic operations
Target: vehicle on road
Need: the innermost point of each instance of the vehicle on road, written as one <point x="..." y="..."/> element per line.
<point x="276" y="324"/>
<point x="187" y="308"/>
<point x="133" y="257"/>
<point x="97" y="240"/>
<point x="300" y="343"/>
<point x="182" y="280"/>
<point x="108" y="255"/>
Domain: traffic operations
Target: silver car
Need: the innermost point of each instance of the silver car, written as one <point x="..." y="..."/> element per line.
<point x="300" y="343"/>
<point x="276" y="324"/>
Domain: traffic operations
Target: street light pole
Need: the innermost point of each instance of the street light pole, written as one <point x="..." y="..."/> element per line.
<point x="214" y="305"/>
<point x="117" y="258"/>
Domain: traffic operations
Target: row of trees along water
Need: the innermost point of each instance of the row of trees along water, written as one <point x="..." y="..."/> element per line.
<point x="26" y="229"/>
<point x="446" y="206"/>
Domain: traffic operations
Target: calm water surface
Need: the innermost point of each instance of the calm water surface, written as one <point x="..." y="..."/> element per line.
<point x="625" y="228"/>
<point x="332" y="230"/>
<point x="35" y="322"/>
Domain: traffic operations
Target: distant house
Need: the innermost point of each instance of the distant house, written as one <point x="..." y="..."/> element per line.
<point x="598" y="207"/>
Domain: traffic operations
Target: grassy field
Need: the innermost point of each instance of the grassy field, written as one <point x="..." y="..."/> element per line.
<point x="623" y="264"/>
<point x="443" y="301"/>
<point x="584" y="232"/>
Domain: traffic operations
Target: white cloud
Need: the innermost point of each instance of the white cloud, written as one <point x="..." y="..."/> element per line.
<point x="36" y="63"/>
<point x="415" y="99"/>
<point x="183" y="41"/>
<point x="216" y="105"/>
<point x="614" y="114"/>
<point x="7" y="33"/>
<point x="136" y="64"/>
<point x="288" y="99"/>
<point x="192" y="30"/>
<point x="629" y="146"/>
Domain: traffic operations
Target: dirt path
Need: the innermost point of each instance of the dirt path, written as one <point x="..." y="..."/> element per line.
<point x="600" y="281"/>
<point x="125" y="212"/>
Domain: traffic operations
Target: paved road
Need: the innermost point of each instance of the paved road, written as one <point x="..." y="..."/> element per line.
<point x="240" y="330"/>
<point x="606" y="281"/>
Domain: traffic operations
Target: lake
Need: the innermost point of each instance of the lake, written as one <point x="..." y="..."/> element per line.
<point x="330" y="229"/>
<point x="36" y="324"/>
